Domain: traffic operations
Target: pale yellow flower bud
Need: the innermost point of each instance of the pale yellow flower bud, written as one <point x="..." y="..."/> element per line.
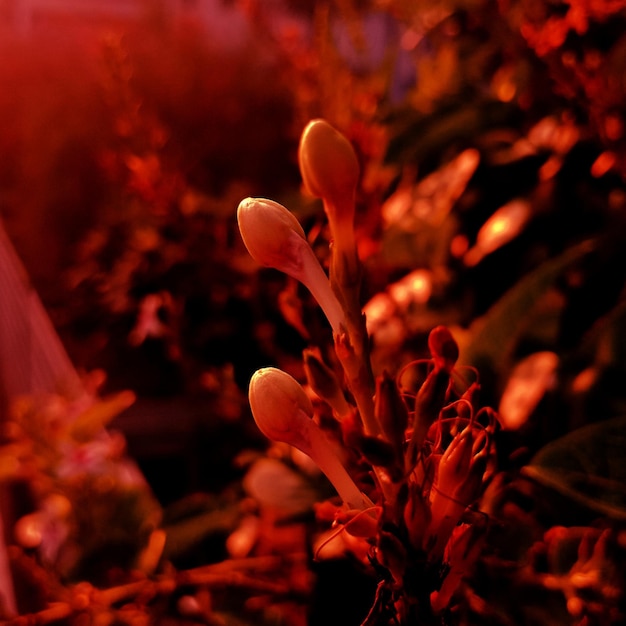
<point x="272" y="234"/>
<point x="330" y="170"/>
<point x="283" y="412"/>
<point x="274" y="238"/>
<point x="280" y="406"/>
<point x="328" y="163"/>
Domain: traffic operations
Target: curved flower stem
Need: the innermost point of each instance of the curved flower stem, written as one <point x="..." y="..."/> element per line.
<point x="313" y="277"/>
<point x="231" y="573"/>
<point x="274" y="238"/>
<point x="332" y="467"/>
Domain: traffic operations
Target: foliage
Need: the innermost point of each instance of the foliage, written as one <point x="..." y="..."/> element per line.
<point x="141" y="164"/>
<point x="490" y="201"/>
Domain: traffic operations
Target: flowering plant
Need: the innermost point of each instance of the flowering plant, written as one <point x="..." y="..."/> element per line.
<point x="409" y="454"/>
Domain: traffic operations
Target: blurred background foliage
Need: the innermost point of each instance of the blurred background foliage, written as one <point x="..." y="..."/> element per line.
<point x="492" y="200"/>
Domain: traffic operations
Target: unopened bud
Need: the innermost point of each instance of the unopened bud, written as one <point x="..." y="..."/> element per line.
<point x="283" y="412"/>
<point x="429" y="400"/>
<point x="280" y="406"/>
<point x="460" y="553"/>
<point x="323" y="381"/>
<point x="328" y="163"/>
<point x="272" y="234"/>
<point x="443" y="348"/>
<point x="391" y="412"/>
<point x="330" y="171"/>
<point x="416" y="515"/>
<point x="274" y="238"/>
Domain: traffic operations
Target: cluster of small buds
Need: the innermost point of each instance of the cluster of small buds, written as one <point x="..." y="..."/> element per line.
<point x="427" y="447"/>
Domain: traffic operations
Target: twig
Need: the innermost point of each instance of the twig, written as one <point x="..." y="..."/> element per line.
<point x="227" y="573"/>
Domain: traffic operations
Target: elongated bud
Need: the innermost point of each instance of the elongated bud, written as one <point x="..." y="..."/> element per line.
<point x="460" y="554"/>
<point x="429" y="400"/>
<point x="443" y="348"/>
<point x="391" y="412"/>
<point x="280" y="406"/>
<point x="274" y="238"/>
<point x="283" y="412"/>
<point x="323" y="381"/>
<point x="328" y="163"/>
<point x="330" y="171"/>
<point x="272" y="234"/>
<point x="416" y="515"/>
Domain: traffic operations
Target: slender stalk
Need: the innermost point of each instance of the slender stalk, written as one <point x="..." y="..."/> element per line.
<point x="332" y="467"/>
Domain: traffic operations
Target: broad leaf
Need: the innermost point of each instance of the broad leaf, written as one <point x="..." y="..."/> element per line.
<point x="588" y="465"/>
<point x="492" y="338"/>
<point x="419" y="138"/>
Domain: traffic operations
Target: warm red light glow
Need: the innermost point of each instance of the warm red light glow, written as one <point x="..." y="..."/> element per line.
<point x="603" y="164"/>
<point x="504" y="225"/>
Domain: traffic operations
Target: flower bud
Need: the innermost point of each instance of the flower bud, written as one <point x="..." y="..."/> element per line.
<point x="328" y="163"/>
<point x="460" y="554"/>
<point x="429" y="400"/>
<point x="416" y="515"/>
<point x="330" y="171"/>
<point x="272" y="234"/>
<point x="283" y="412"/>
<point x="324" y="383"/>
<point x="274" y="238"/>
<point x="391" y="412"/>
<point x="280" y="406"/>
<point x="443" y="348"/>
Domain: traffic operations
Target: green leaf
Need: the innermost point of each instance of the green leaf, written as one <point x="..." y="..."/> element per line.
<point x="492" y="338"/>
<point x="588" y="466"/>
<point x="420" y="137"/>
